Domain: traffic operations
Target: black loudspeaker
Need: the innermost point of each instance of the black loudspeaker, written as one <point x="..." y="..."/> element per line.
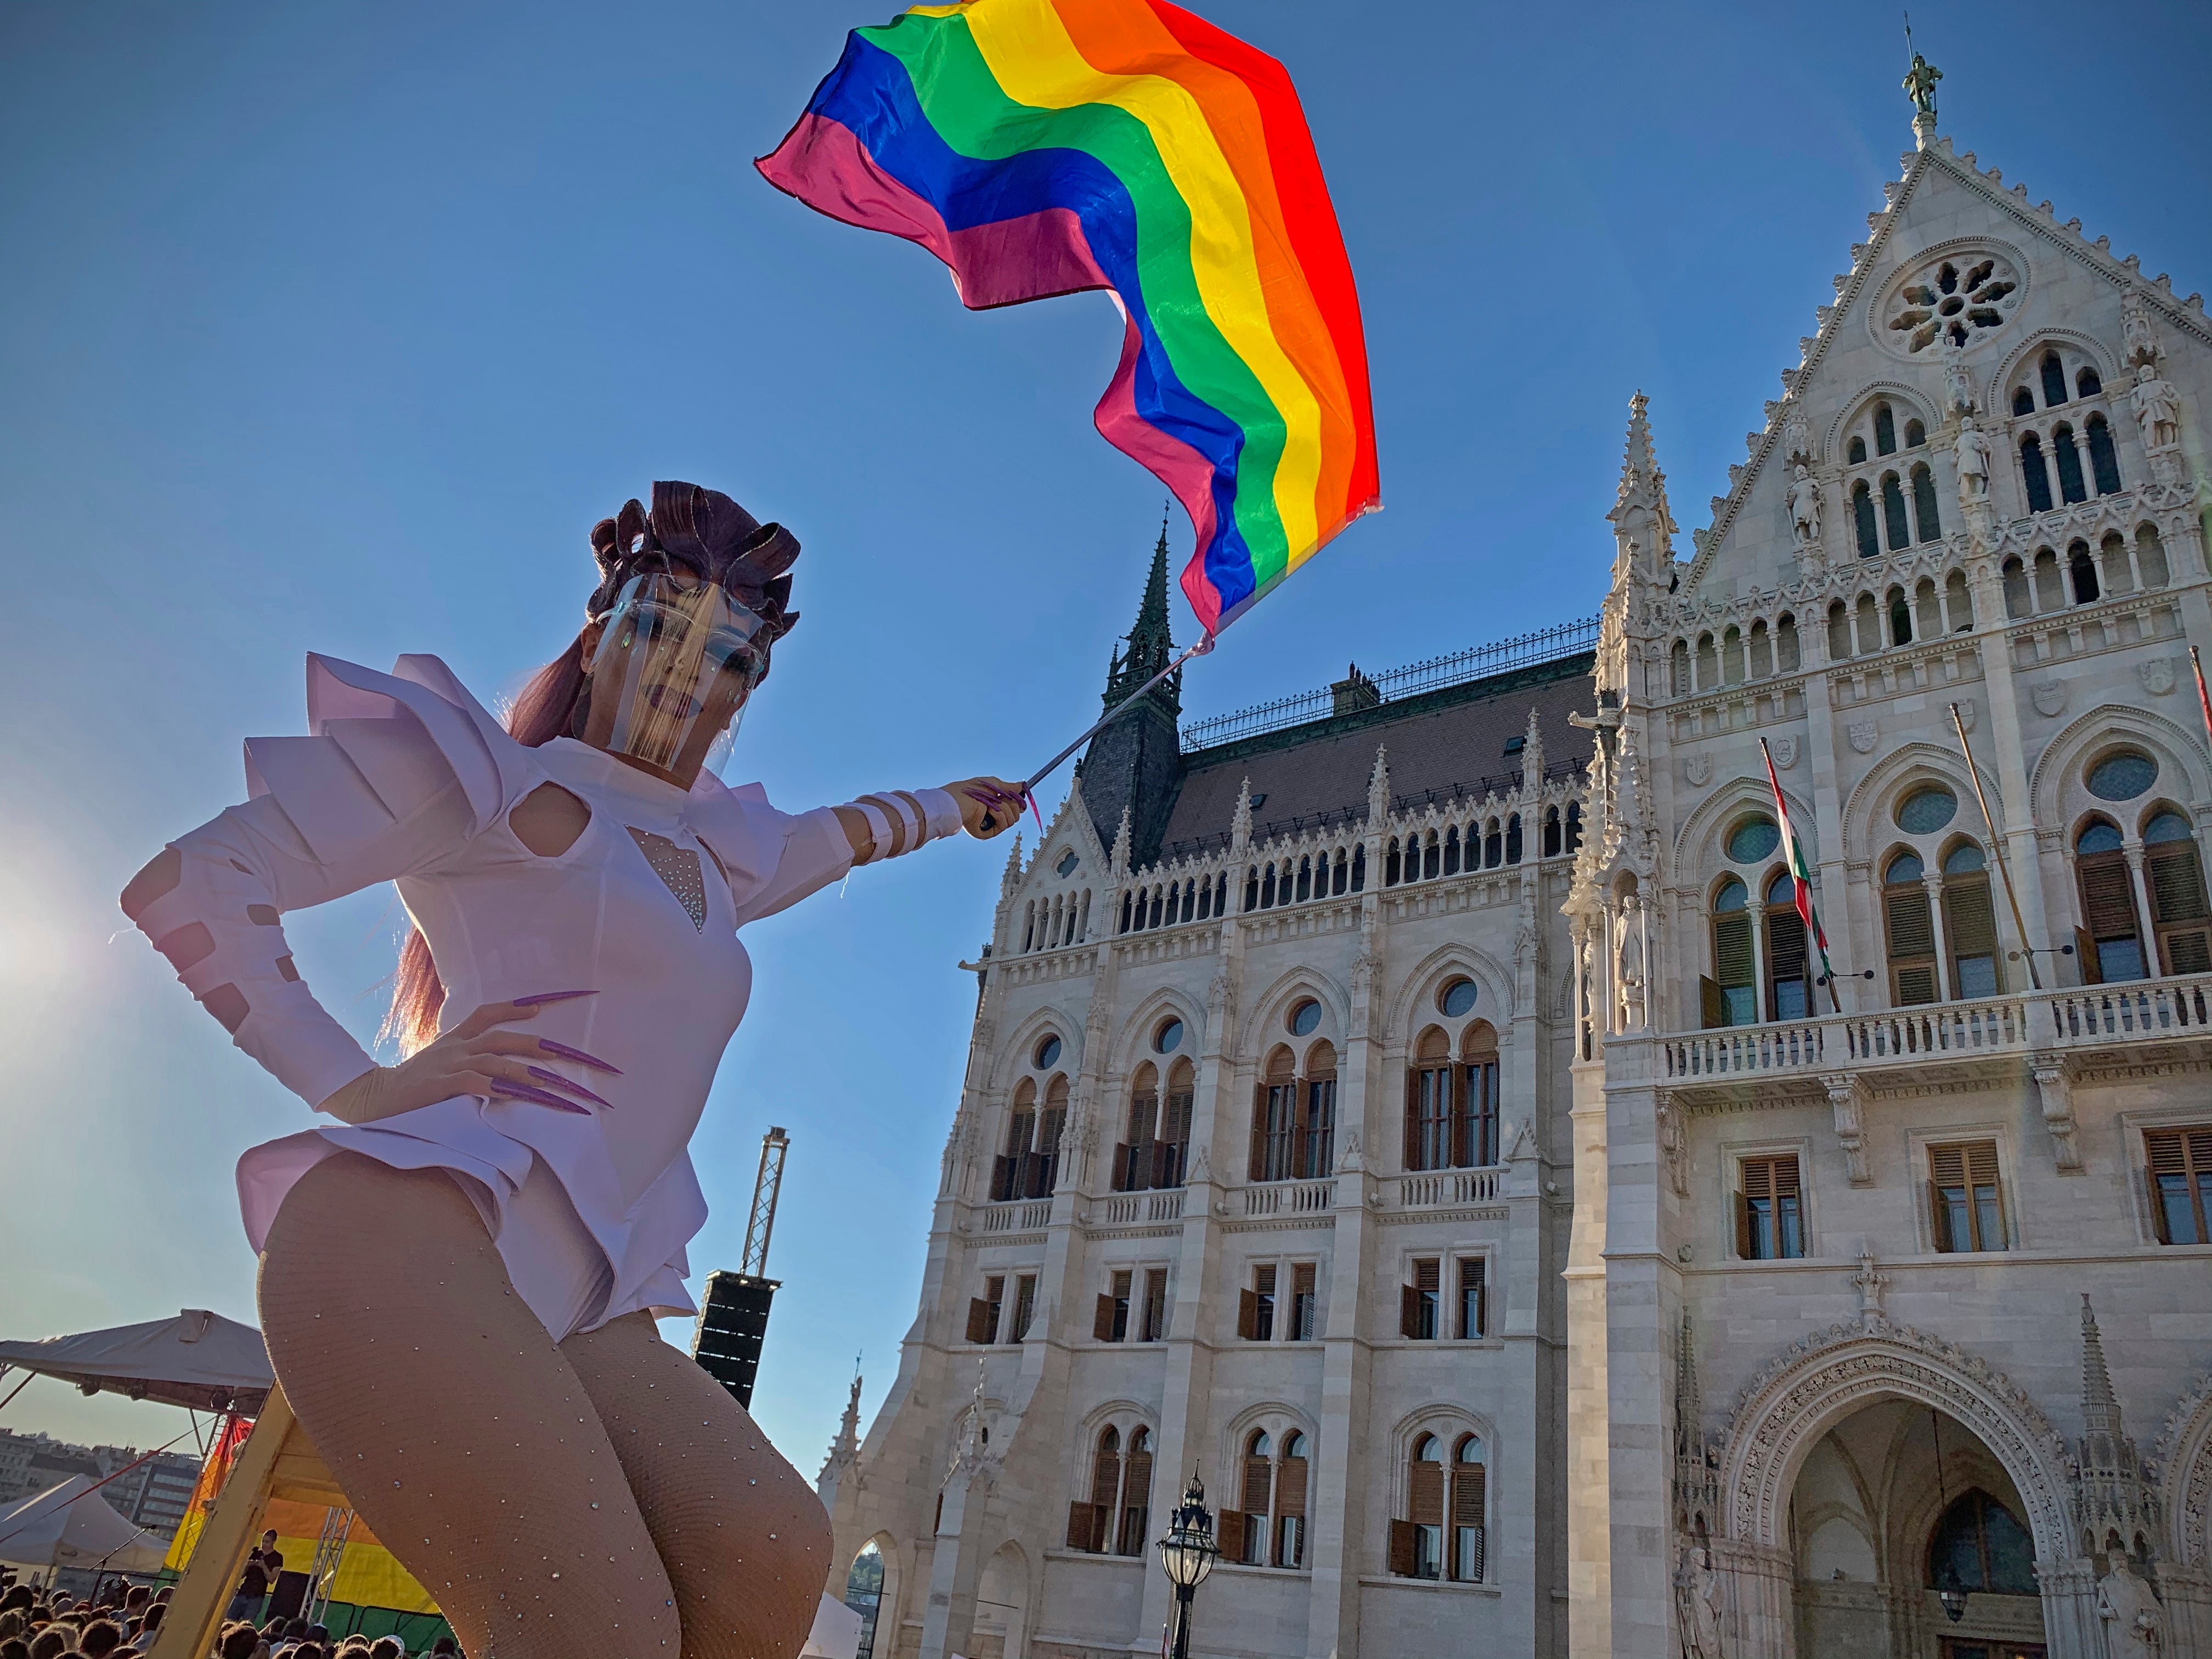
<point x="733" y="1320"/>
<point x="289" y="1598"/>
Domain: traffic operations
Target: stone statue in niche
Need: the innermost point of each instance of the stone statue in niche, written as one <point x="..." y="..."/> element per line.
<point x="2158" y="409"/>
<point x="1971" y="452"/>
<point x="1804" y="504"/>
<point x="1698" y="1605"/>
<point x="1796" y="436"/>
<point x="2139" y="342"/>
<point x="2135" y="1621"/>
<point x="1630" y="960"/>
<point x="1957" y="385"/>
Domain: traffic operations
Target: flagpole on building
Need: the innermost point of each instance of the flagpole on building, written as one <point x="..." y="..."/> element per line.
<point x="2204" y="697"/>
<point x="1996" y="846"/>
<point x="1800" y="878"/>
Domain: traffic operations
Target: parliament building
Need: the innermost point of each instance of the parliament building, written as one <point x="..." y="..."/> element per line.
<point x="1421" y="1108"/>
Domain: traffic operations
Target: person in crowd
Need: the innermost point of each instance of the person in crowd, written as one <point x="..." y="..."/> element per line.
<point x="444" y="1647"/>
<point x="485" y="1186"/>
<point x="262" y="1566"/>
<point x="13" y="1647"/>
<point x="99" y="1638"/>
<point x="52" y="1641"/>
<point x="238" y="1642"/>
<point x="386" y="1647"/>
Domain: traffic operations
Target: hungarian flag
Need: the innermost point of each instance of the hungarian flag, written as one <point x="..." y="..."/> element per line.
<point x="1801" y="877"/>
<point x="2204" y="697"/>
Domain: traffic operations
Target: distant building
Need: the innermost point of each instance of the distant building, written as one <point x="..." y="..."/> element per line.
<point x="1421" y="1106"/>
<point x="156" y="1494"/>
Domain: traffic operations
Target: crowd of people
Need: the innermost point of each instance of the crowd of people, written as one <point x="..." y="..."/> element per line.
<point x="120" y="1621"/>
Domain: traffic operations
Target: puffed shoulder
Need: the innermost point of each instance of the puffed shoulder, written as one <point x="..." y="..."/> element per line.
<point x="383" y="747"/>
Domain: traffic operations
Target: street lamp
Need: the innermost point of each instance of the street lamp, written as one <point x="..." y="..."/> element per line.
<point x="1187" y="1553"/>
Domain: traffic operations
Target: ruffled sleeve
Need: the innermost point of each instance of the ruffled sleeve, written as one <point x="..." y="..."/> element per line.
<point x="399" y="772"/>
<point x="773" y="859"/>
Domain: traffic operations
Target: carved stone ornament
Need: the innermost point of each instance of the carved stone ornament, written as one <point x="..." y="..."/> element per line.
<point x="1862" y="734"/>
<point x="2157" y="675"/>
<point x="2048" y="697"/>
<point x="1699" y="769"/>
<point x="1785" y="751"/>
<point x="1967" y="712"/>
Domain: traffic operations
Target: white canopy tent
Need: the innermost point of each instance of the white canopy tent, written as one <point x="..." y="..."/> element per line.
<point x="71" y="1525"/>
<point x="198" y="1361"/>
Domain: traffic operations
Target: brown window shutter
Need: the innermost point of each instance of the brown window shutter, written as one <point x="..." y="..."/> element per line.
<point x="1712" y="1005"/>
<point x="1757" y="1177"/>
<point x="1248" y="1315"/>
<point x="1291" y="1487"/>
<point x="1083" y="1527"/>
<point x="2158" y="1227"/>
<point x="2108" y="899"/>
<point x="1785" y="1175"/>
<point x="2187" y="949"/>
<point x="1939" y="1218"/>
<point x="1914" y="984"/>
<point x="1229" y="1534"/>
<point x="979" y="1320"/>
<point x="1973" y="920"/>
<point x="1424" y="1487"/>
<point x="1948" y="1165"/>
<point x="1468" y="1494"/>
<point x="1254" y="1497"/>
<point x="2085" y="953"/>
<point x="1123" y="1182"/>
<point x="1405" y="1548"/>
<point x="1137" y="1483"/>
<point x="1413" y="1119"/>
<point x="1981" y="1161"/>
<point x="1102" y="1321"/>
<point x="1156" y="1304"/>
<point x="2166" y="1151"/>
<point x="1743" y="1227"/>
<point x="1409" y="1310"/>
<point x="1786" y="945"/>
<point x="1302" y="1279"/>
<point x="2177" y="883"/>
<point x="1732" y="948"/>
<point x="1912" y="931"/>
<point x="1429" y="1273"/>
<point x="1263" y="1278"/>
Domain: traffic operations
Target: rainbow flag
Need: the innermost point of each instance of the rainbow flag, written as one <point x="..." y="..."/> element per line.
<point x="1044" y="147"/>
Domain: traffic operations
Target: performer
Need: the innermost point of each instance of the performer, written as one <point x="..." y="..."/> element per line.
<point x="460" y="1273"/>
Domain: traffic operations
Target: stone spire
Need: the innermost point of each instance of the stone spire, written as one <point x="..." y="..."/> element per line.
<point x="1697" y="1479"/>
<point x="1011" y="878"/>
<point x="1532" y="759"/>
<point x="1378" y="789"/>
<point x="1117" y="857"/>
<point x="2111" y="1494"/>
<point x="1643" y="523"/>
<point x="1134" y="764"/>
<point x="1240" y="825"/>
<point x="844" y="1450"/>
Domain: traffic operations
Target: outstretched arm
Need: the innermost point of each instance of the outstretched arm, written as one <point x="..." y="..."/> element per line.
<point x="886" y="825"/>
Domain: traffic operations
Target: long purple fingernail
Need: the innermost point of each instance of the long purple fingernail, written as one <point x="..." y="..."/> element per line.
<point x="569" y="1084"/>
<point x="576" y="1054"/>
<point x="537" y="1097"/>
<point x="550" y="996"/>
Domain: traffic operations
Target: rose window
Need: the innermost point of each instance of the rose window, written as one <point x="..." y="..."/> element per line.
<point x="1961" y="297"/>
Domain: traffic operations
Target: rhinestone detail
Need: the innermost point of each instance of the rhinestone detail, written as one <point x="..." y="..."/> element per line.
<point x="678" y="870"/>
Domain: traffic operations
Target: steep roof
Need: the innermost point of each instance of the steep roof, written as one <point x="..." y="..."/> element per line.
<point x="1448" y="741"/>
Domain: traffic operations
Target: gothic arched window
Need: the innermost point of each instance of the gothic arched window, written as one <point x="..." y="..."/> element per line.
<point x="1132" y="1536"/>
<point x="1313" y="1151"/>
<point x="1493" y="846"/>
<point x="1087" y="1522"/>
<point x="1290" y="1502"/>
<point x="1862" y="523"/>
<point x="2034" y="475"/>
<point x="1789" y="965"/>
<point x="2150" y="557"/>
<point x="1006" y="1169"/>
<point x="1134" y="1157"/>
<point x="1255" y="1491"/>
<point x="1924" y="504"/>
<point x="2023" y="402"/>
<point x="1892" y="512"/>
<point x="1274" y="1119"/>
<point x="1979" y="1545"/>
<point x="2115" y="948"/>
<point x="2082" y="573"/>
<point x="1854" y="452"/>
<point x="1678" y="679"/>
<point x="2087" y="383"/>
<point x="1417" y="1543"/>
<point x="1474" y="1115"/>
<point x="1574" y="826"/>
<point x="1429" y="1102"/>
<point x="1885" y="430"/>
<point x="2054" y="380"/>
<point x="1910" y="927"/>
<point x="1550" y="832"/>
<point x="1513" y="838"/>
<point x="1970" y="922"/>
<point x="2104" y="461"/>
<point x="1915" y="434"/>
<point x="2071" y="485"/>
<point x="1730" y="999"/>
<point x="2175" y="875"/>
<point x="1468" y="1505"/>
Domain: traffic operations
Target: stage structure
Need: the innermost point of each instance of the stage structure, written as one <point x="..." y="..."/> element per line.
<point x="733" y="1313"/>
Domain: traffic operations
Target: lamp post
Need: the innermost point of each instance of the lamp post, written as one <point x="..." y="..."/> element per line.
<point x="1187" y="1553"/>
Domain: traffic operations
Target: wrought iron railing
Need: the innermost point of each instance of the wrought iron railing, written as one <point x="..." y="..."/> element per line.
<point x="1522" y="651"/>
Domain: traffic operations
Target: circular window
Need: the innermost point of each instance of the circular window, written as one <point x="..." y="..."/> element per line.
<point x="1456" y="998"/>
<point x="1066" y="865"/>
<point x="1305" y="1018"/>
<point x="1924" y="812"/>
<point x="1752" y="840"/>
<point x="2122" y="777"/>
<point x="1047" y="1053"/>
<point x="1169" y="1037"/>
<point x="1956" y="298"/>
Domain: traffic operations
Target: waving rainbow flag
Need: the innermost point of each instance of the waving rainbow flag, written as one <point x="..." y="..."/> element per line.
<point x="1042" y="147"/>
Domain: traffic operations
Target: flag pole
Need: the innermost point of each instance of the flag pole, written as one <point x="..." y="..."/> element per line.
<point x="1800" y="879"/>
<point x="1996" y="845"/>
<point x="2203" y="698"/>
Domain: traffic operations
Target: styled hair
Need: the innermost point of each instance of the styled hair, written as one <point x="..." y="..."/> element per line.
<point x="541" y="712"/>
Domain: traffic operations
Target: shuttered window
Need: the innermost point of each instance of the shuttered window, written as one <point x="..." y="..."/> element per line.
<point x="1024" y="1307"/>
<point x="1274" y="1115"/>
<point x="1474" y="1124"/>
<point x="1973" y="924"/>
<point x="1303" y="1302"/>
<point x="1789" y="978"/>
<point x="1425" y="1510"/>
<point x="983" y="1310"/>
<point x="1258" y="1474"/>
<point x="1965" y="1205"/>
<point x="1418" y="1302"/>
<point x="1315" y="1154"/>
<point x="1136" y="1496"/>
<point x="1255" y="1310"/>
<point x="1428" y="1105"/>
<point x="1469" y="1502"/>
<point x="1156" y="1305"/>
<point x="1110" y="1323"/>
<point x="2179" y="1170"/>
<point x="1769" y="1212"/>
<point x="1086" y="1523"/>
<point x="1473" y="1298"/>
<point x="1291" y="1503"/>
<point x="1912" y="930"/>
<point x="2108" y="915"/>
<point x="2176" y="879"/>
<point x="1732" y="967"/>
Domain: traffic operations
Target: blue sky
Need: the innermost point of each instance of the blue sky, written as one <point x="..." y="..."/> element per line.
<point x="336" y="328"/>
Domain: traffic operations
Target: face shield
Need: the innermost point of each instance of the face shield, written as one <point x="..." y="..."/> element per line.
<point x="676" y="661"/>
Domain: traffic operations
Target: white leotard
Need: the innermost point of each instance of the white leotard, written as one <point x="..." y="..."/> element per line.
<point x="408" y="779"/>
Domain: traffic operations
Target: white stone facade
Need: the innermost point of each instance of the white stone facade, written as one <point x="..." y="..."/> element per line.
<point x="1685" y="1452"/>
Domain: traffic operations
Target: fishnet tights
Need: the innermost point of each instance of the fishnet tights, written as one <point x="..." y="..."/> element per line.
<point x="490" y="1461"/>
